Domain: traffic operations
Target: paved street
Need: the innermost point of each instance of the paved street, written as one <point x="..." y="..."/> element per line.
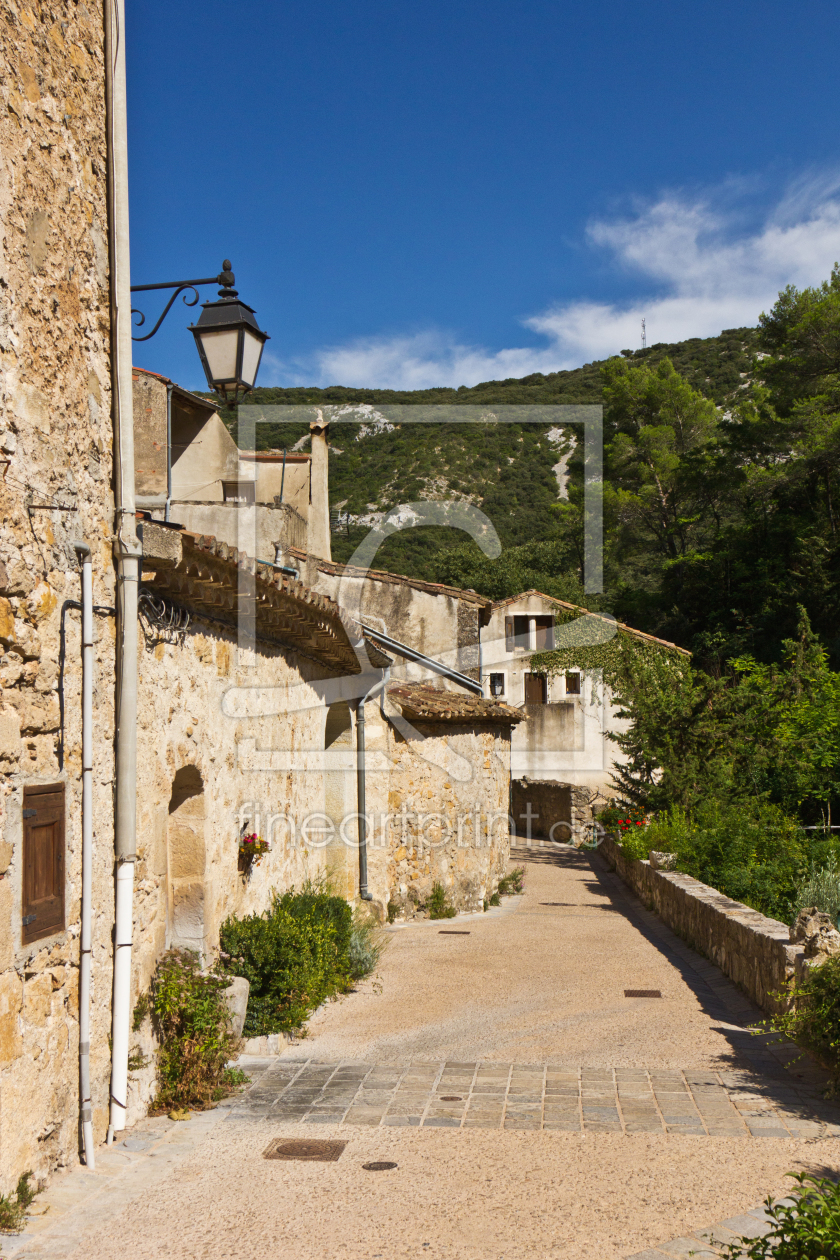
<point x="530" y="1108"/>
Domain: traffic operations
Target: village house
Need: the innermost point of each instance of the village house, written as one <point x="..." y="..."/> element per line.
<point x="151" y="598"/>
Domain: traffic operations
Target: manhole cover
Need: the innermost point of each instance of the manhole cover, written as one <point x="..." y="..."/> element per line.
<point x="379" y="1165"/>
<point x="444" y="932"/>
<point x="451" y="1098"/>
<point x="642" y="993"/>
<point x="302" y="1148"/>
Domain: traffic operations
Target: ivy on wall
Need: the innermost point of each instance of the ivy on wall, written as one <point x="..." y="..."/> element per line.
<point x="591" y="642"/>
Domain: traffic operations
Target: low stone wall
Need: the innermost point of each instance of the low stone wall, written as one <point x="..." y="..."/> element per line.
<point x="751" y="949"/>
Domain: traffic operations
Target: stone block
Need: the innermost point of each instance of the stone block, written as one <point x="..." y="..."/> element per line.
<point x="9" y="735"/>
<point x="11" y="1039"/>
<point x="236" y="997"/>
<point x="162" y="548"/>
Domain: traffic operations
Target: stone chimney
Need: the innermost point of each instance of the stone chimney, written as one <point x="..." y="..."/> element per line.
<point x="318" y="543"/>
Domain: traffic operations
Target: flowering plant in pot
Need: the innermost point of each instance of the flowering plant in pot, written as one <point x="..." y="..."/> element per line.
<point x="252" y="849"/>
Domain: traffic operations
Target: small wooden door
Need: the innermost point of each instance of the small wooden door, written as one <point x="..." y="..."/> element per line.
<point x="43" y="861"/>
<point x="536" y="691"/>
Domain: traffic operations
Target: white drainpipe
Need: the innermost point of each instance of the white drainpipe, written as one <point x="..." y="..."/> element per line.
<point x="83" y="552"/>
<point x="127" y="551"/>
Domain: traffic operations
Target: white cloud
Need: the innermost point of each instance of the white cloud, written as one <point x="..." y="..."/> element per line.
<point x="702" y="274"/>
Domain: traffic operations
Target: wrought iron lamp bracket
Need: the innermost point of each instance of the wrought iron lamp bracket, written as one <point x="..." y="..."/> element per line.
<point x="225" y="278"/>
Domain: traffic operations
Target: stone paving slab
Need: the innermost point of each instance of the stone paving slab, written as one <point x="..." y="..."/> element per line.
<point x="459" y="1095"/>
<point x="709" y="1242"/>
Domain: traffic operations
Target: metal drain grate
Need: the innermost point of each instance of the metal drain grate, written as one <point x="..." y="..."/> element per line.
<point x="445" y="932"/>
<point x="451" y="1098"/>
<point x="380" y="1165"/>
<point x="642" y="993"/>
<point x="303" y="1148"/>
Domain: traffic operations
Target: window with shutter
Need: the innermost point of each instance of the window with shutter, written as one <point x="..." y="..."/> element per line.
<point x="544" y="641"/>
<point x="43" y="861"/>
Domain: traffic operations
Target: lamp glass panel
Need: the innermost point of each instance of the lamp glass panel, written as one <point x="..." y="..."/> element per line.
<point x="220" y="349"/>
<point x="251" y="351"/>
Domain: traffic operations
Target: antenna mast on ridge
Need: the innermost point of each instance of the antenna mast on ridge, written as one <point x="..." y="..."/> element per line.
<point x="644" y="336"/>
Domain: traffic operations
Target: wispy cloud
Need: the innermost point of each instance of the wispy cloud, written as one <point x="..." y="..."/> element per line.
<point x="702" y="271"/>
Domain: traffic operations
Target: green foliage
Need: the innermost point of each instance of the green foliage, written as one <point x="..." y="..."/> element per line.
<point x="495" y="899"/>
<point x="13" y="1206"/>
<point x="141" y="1010"/>
<point x="768" y="731"/>
<point x="437" y="905"/>
<point x="513" y="882"/>
<point x="748" y="850"/>
<point x="305" y="948"/>
<point x="809" y="1229"/>
<point x="813" y="1017"/>
<point x="192" y="1022"/>
<point x="821" y="888"/>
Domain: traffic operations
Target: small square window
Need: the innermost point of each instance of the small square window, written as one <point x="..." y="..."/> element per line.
<point x="239" y="491"/>
<point x="573" y="684"/>
<point x="497" y="684"/>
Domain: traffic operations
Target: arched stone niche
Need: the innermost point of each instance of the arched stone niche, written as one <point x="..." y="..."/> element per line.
<point x="187" y="861"/>
<point x="340" y="798"/>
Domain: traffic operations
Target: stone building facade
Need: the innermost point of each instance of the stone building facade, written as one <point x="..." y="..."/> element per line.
<point x="55" y="487"/>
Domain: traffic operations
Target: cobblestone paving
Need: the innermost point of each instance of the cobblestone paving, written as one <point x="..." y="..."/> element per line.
<point x="707" y="1244"/>
<point x="536" y="1096"/>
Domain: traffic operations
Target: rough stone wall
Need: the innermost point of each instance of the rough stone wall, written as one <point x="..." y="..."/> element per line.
<point x="55" y="444"/>
<point x="200" y="774"/>
<point x="447" y="805"/>
<point x="751" y="949"/>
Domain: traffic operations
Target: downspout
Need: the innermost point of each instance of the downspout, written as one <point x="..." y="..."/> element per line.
<point x="169" y="390"/>
<point x="283" y="477"/>
<point x="83" y="551"/>
<point x="361" y="798"/>
<point x="127" y="553"/>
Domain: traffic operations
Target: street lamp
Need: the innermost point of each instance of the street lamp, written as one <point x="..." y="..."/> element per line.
<point x="228" y="338"/>
<point x="229" y="342"/>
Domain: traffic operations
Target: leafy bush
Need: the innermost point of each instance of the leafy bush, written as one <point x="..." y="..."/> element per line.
<point x="192" y="1021"/>
<point x="365" y="948"/>
<point x="748" y="850"/>
<point x="13" y="1206"/>
<point x="305" y="948"/>
<point x="511" y="883"/>
<point x="437" y="905"/>
<point x="809" y="1229"/>
<point x="820" y="888"/>
<point x="814" y="1014"/>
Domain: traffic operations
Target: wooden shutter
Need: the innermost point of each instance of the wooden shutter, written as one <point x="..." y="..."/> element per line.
<point x="535" y="689"/>
<point x="43" y="861"/>
<point x="508" y="634"/>
<point x="545" y="634"/>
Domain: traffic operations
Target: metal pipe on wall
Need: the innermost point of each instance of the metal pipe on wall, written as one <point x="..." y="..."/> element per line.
<point x="166" y="510"/>
<point x="83" y="551"/>
<point x="127" y="554"/>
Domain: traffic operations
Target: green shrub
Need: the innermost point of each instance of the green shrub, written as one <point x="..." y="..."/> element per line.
<point x="305" y="948"/>
<point x="511" y="883"/>
<point x="749" y="850"/>
<point x="809" y="1229"/>
<point x="192" y="1022"/>
<point x="13" y="1206"/>
<point x="437" y="905"/>
<point x="814" y="1014"/>
<point x="820" y="888"/>
<point x="365" y="948"/>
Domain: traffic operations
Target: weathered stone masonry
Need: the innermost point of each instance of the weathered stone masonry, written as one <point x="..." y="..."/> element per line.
<point x="55" y="471"/>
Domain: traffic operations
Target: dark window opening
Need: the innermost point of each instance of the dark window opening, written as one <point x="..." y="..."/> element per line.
<point x="544" y="634"/>
<point x="536" y="689"/>
<point x="573" y="684"/>
<point x="497" y="684"/>
<point x="43" y="861"/>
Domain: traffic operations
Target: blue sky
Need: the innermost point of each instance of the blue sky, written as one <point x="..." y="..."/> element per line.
<point x="440" y="194"/>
